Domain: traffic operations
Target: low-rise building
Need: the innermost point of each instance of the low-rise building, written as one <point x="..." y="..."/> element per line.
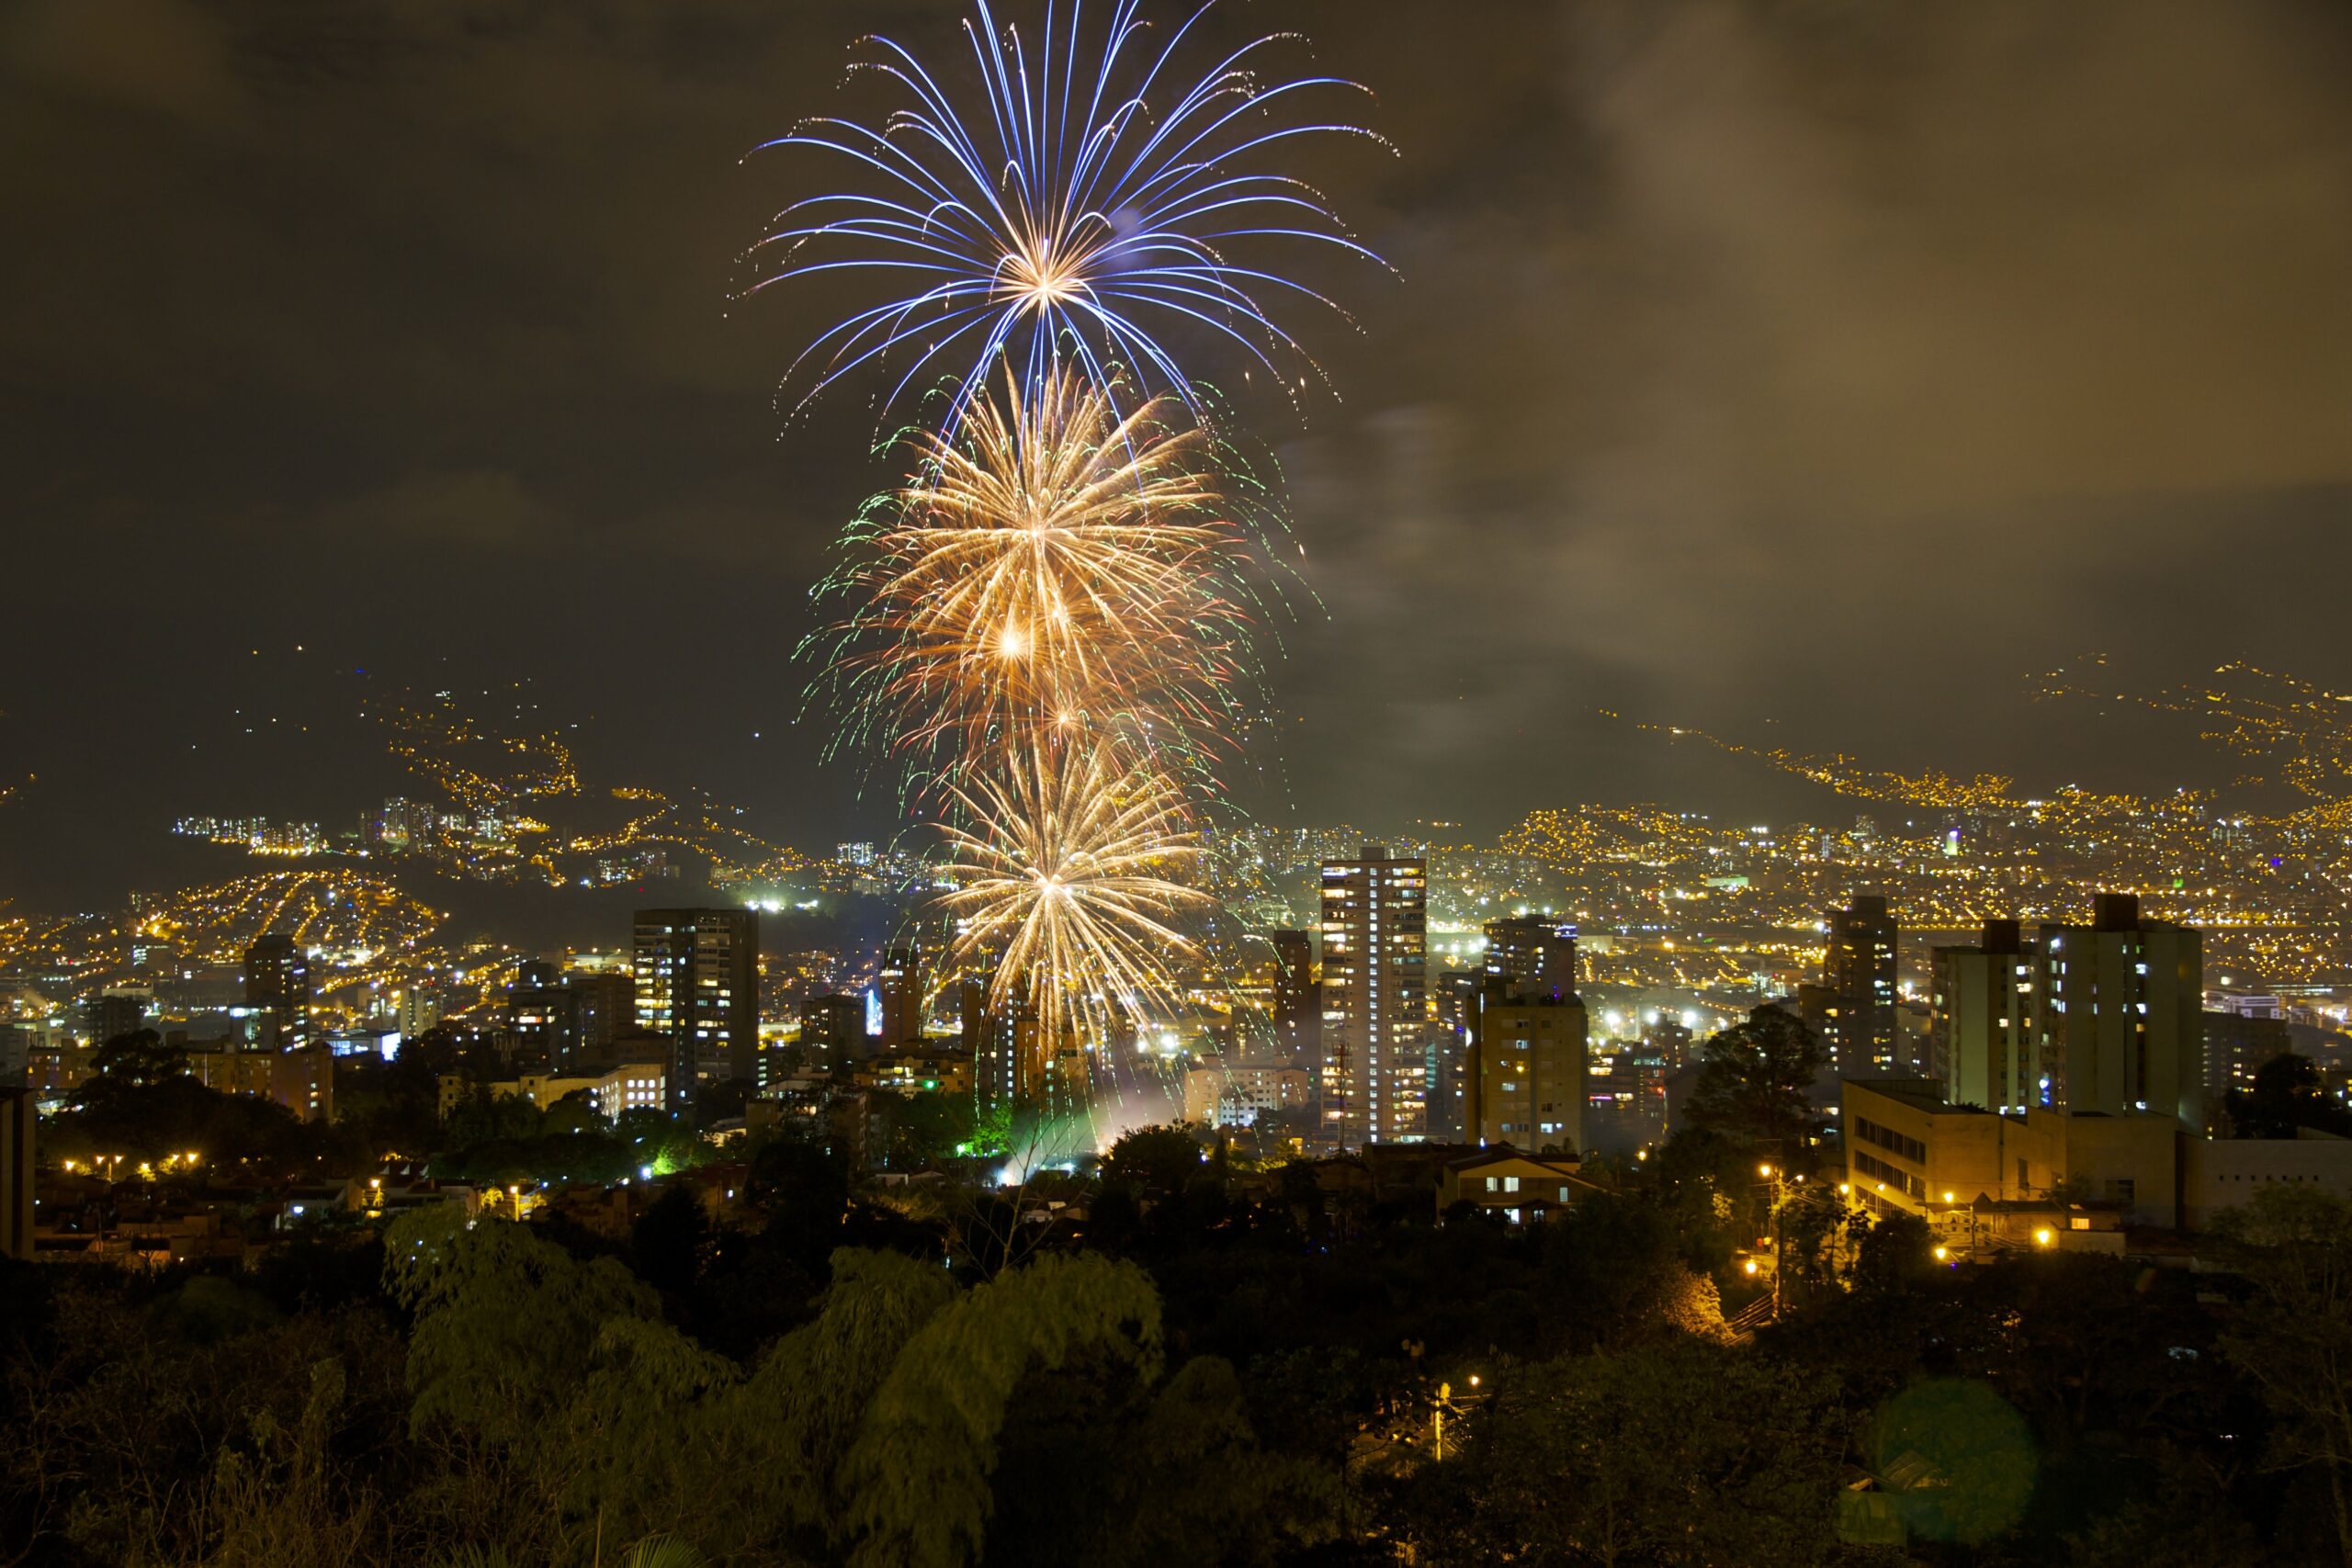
<point x="917" y="1072"/>
<point x="1222" y="1095"/>
<point x="629" y="1086"/>
<point x="1910" y="1150"/>
<point x="2222" y="1173"/>
<point x="301" y="1079"/>
<point x="1518" y="1187"/>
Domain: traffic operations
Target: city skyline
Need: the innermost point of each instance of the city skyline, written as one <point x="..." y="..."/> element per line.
<point x="1127" y="781"/>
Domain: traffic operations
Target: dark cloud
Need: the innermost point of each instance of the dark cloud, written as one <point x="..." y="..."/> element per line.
<point x="1817" y="362"/>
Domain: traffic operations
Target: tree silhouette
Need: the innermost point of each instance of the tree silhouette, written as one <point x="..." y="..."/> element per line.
<point x="1754" y="1076"/>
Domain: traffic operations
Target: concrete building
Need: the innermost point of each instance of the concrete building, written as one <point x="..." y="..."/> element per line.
<point x="899" y="998"/>
<point x="1514" y="1186"/>
<point x="1535" y="954"/>
<point x="1221" y="1094"/>
<point x="698" y="990"/>
<point x="1528" y="1078"/>
<point x="1981" y="1039"/>
<point x="2219" y="1174"/>
<point x="2119" y="1006"/>
<point x="2131" y="1161"/>
<point x="1376" y="1069"/>
<point x="1624" y="1099"/>
<point x="1858" y="971"/>
<point x="540" y="1012"/>
<point x="1297" y="1001"/>
<point x="604" y="1009"/>
<point x="627" y="1086"/>
<point x="1008" y="1063"/>
<point x="113" y="1014"/>
<point x="277" y="978"/>
<point x="2236" y="1044"/>
<point x="833" y="1032"/>
<point x="1910" y="1150"/>
<point x="301" y="1079"/>
<point x="917" y="1072"/>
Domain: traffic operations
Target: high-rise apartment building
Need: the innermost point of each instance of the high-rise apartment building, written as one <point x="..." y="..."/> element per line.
<point x="110" y="1015"/>
<point x="1298" y="1001"/>
<point x="538" y="1011"/>
<point x="1008" y="1063"/>
<point x="1529" y="1076"/>
<point x="898" y="995"/>
<point x="277" y="979"/>
<point x="698" y="989"/>
<point x="408" y="825"/>
<point x="833" y="1032"/>
<point x="1981" y="1036"/>
<point x="1537" y="956"/>
<point x="1377" y="1065"/>
<point x="1857" y="970"/>
<point x="603" y="1007"/>
<point x="571" y="1019"/>
<point x="2119" y="1007"/>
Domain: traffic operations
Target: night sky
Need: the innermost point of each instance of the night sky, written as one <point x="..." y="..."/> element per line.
<point x="1812" y="370"/>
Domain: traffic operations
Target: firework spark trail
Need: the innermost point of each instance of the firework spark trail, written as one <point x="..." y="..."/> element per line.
<point x="1059" y="569"/>
<point x="1065" y="861"/>
<point x="1051" y="617"/>
<point x="1080" y="208"/>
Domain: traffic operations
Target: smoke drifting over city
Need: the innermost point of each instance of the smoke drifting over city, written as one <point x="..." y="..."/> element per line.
<point x="1742" y="363"/>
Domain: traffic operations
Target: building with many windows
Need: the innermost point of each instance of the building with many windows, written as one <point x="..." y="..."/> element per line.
<point x="1222" y="1094"/>
<point x="1537" y="956"/>
<point x="1982" y="1035"/>
<point x="1375" y="1068"/>
<point x="277" y="978"/>
<point x="1858" y="972"/>
<point x="1528" y="1077"/>
<point x="698" y="990"/>
<point x="626" y="1085"/>
<point x="897" y="999"/>
<point x="2120" y="1011"/>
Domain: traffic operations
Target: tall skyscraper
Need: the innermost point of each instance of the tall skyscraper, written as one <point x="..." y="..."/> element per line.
<point x="2118" y="1005"/>
<point x="898" y="994"/>
<point x="1981" y="1036"/>
<point x="698" y="988"/>
<point x="1529" y="1075"/>
<point x="1537" y="956"/>
<point x="1299" y="1000"/>
<point x="1859" y="972"/>
<point x="277" y="978"/>
<point x="1375" y="1046"/>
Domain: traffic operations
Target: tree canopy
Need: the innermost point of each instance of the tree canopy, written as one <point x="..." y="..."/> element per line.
<point x="1755" y="1077"/>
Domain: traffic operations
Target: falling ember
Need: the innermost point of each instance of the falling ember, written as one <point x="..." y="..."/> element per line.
<point x="1057" y="559"/>
<point x="1067" y="859"/>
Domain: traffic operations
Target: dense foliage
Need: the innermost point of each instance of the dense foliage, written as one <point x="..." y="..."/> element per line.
<point x="1200" y="1378"/>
